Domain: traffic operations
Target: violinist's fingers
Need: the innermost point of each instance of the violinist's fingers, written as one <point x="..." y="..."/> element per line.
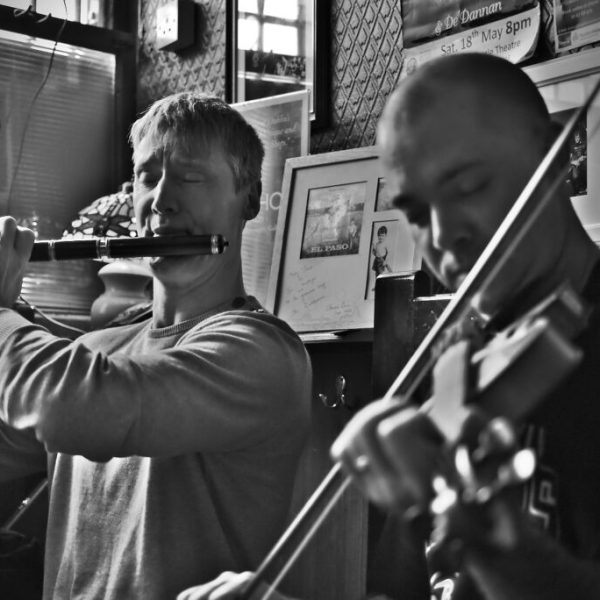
<point x="505" y="526"/>
<point x="495" y="525"/>
<point x="227" y="586"/>
<point x="357" y="450"/>
<point x="412" y="445"/>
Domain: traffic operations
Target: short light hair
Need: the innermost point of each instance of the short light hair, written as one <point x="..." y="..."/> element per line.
<point x="186" y="117"/>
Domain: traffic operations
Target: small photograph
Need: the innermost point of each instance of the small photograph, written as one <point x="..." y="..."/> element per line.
<point x="333" y="222"/>
<point x="384" y="237"/>
<point x="577" y="175"/>
<point x="382" y="201"/>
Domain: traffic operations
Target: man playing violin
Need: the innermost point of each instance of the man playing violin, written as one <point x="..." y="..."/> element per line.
<point x="171" y="442"/>
<point x="460" y="138"/>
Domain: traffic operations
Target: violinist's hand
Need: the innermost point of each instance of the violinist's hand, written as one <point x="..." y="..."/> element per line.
<point x="495" y="525"/>
<point x="227" y="586"/>
<point x="15" y="249"/>
<point x="477" y="503"/>
<point x="391" y="451"/>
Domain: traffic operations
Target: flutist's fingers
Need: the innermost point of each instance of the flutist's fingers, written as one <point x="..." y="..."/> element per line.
<point x="15" y="238"/>
<point x="15" y="248"/>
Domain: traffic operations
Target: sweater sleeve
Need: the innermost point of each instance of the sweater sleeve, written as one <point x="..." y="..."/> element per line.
<point x="237" y="381"/>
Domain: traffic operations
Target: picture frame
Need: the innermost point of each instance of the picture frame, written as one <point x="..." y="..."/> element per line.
<point x="336" y="232"/>
<point x="283" y="125"/>
<point x="565" y="83"/>
<point x="258" y="71"/>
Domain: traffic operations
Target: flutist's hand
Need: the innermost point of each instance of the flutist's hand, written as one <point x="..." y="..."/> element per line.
<point x="15" y="249"/>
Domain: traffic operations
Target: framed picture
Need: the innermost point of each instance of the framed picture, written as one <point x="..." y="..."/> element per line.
<point x="279" y="47"/>
<point x="565" y="83"/>
<point x="336" y="232"/>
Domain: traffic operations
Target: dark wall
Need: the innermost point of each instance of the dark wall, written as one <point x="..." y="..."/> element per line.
<point x="365" y="63"/>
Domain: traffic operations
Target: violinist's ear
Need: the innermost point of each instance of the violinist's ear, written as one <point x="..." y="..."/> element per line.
<point x="252" y="201"/>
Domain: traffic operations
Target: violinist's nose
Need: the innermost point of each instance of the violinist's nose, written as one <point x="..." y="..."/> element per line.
<point x="449" y="230"/>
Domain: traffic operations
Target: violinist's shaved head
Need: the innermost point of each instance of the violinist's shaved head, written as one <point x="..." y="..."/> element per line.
<point x="459" y="140"/>
<point x="495" y="93"/>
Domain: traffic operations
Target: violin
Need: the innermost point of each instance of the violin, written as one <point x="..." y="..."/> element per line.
<point x="502" y="380"/>
<point x="468" y="414"/>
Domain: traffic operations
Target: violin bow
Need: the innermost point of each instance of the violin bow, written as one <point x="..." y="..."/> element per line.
<point x="518" y="221"/>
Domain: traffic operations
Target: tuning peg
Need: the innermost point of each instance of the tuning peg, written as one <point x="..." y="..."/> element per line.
<point x="519" y="468"/>
<point x="445" y="496"/>
<point x="466" y="472"/>
<point x="497" y="437"/>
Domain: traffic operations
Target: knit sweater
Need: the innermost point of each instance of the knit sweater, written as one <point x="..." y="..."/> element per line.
<point x="171" y="452"/>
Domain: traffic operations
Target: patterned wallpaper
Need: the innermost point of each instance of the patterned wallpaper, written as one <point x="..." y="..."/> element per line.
<point x="199" y="68"/>
<point x="365" y="63"/>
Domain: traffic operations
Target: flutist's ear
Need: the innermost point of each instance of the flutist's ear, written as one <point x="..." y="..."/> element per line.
<point x="253" y="201"/>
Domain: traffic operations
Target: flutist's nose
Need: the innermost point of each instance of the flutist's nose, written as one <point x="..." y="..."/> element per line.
<point x="164" y="201"/>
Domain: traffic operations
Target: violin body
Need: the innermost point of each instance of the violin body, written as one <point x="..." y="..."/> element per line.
<point x="506" y="376"/>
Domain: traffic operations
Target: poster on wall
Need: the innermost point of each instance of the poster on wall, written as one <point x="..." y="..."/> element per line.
<point x="434" y="28"/>
<point x="576" y="23"/>
<point x="565" y="85"/>
<point x="426" y="20"/>
<point x="283" y="124"/>
<point x="577" y="173"/>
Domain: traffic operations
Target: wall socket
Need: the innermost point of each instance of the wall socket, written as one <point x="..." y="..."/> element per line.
<point x="175" y="23"/>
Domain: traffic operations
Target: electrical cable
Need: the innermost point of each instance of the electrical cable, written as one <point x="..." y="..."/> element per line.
<point x="32" y="104"/>
<point x="74" y="331"/>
